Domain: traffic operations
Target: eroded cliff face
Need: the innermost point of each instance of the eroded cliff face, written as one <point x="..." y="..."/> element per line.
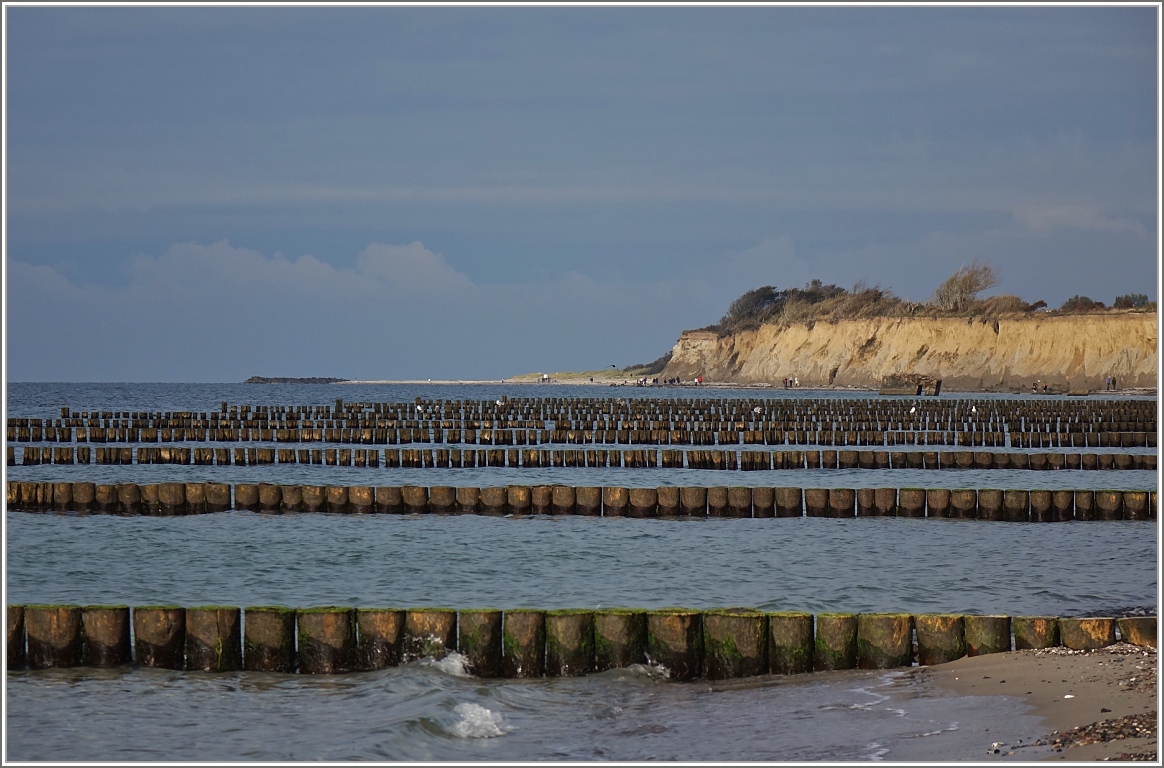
<point x="976" y="354"/>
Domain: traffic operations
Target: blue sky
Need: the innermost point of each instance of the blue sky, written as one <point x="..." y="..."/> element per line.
<point x="203" y="194"/>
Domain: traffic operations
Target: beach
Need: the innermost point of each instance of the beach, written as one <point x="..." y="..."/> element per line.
<point x="1093" y="704"/>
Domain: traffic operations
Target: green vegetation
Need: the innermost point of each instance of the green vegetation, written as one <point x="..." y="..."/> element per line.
<point x="957" y="296"/>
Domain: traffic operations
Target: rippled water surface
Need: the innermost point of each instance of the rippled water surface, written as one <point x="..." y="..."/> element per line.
<point x="427" y="711"/>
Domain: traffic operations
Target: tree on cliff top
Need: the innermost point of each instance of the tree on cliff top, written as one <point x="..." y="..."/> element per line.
<point x="963" y="287"/>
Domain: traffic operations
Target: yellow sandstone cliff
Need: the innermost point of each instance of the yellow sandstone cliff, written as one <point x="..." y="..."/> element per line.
<point x="1064" y="351"/>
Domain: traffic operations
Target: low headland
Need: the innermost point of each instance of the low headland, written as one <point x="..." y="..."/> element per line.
<point x="828" y="337"/>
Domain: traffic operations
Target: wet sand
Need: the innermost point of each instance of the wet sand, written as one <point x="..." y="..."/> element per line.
<point x="1072" y="691"/>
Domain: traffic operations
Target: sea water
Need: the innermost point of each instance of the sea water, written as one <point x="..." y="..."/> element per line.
<point x="432" y="710"/>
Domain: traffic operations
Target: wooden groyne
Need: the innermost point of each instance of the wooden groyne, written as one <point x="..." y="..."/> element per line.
<point x="530" y="643"/>
<point x="464" y="458"/>
<point x="168" y="499"/>
<point x="1051" y="423"/>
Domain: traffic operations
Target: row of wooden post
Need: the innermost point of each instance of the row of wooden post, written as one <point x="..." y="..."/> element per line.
<point x="166" y="499"/>
<point x="524" y="643"/>
<point x="383" y="436"/>
<point x="635" y="458"/>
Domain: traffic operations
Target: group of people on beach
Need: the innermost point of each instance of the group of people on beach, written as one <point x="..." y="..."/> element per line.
<point x="791" y="381"/>
<point x="1110" y="382"/>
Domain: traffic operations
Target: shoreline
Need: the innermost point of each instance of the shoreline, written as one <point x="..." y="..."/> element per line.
<point x="1081" y="697"/>
<point x="627" y="382"/>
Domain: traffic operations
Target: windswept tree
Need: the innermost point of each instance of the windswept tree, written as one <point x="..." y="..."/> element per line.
<point x="963" y="287"/>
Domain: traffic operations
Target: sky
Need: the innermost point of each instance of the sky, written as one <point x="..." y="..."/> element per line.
<point x="209" y="193"/>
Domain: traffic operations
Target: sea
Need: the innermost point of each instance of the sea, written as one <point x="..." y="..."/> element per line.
<point x="432" y="710"/>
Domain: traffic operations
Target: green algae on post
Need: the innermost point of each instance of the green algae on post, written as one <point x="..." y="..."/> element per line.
<point x="269" y="638"/>
<point x="884" y="640"/>
<point x="836" y="641"/>
<point x="675" y="640"/>
<point x="735" y="643"/>
<point x="214" y="638"/>
<point x="790" y="643"/>
<point x="987" y="634"/>
<point x="429" y="633"/>
<point x="1035" y="632"/>
<point x="479" y="640"/>
<point x="523" y="643"/>
<point x="940" y="638"/>
<point x="569" y="642"/>
<point x="620" y="638"/>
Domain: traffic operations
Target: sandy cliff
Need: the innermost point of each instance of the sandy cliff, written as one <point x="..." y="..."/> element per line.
<point x="974" y="354"/>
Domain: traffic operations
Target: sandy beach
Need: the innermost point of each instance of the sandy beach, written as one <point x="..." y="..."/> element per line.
<point x="1095" y="705"/>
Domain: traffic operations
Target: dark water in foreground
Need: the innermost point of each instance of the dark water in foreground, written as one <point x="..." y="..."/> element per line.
<point x="427" y="711"/>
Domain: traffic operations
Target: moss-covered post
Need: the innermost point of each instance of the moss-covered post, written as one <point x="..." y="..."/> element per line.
<point x="106" y="631"/>
<point x="214" y="638"/>
<point x="569" y="642"/>
<point x="269" y="638"/>
<point x="1041" y="508"/>
<point x="479" y="640"/>
<point x="1138" y="630"/>
<point x="836" y="641"/>
<point x="987" y="634"/>
<point x="55" y="637"/>
<point x="940" y="638"/>
<point x="14" y="632"/>
<point x="675" y="640"/>
<point x="327" y="640"/>
<point x="379" y="638"/>
<point x="523" y="643"/>
<point x="620" y="638"/>
<point x="1087" y="634"/>
<point x="159" y="636"/>
<point x="1035" y="632"/>
<point x="1136" y="505"/>
<point x="429" y="633"/>
<point x="735" y="643"/>
<point x="884" y="640"/>
<point x="790" y="643"/>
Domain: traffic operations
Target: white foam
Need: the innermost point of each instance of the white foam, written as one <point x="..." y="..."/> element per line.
<point x="650" y="670"/>
<point x="453" y="663"/>
<point x="876" y="752"/>
<point x="478" y="722"/>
